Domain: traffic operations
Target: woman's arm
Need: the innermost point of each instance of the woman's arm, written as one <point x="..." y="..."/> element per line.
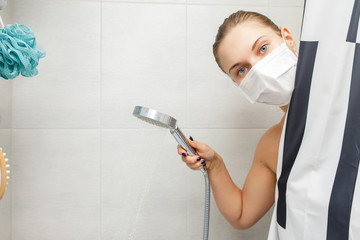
<point x="241" y="207"/>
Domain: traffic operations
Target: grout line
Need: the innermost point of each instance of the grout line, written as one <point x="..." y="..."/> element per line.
<point x="187" y="105"/>
<point x="12" y="191"/>
<point x="130" y="129"/>
<point x="100" y="118"/>
<point x="186" y="65"/>
<point x="197" y="4"/>
<point x="12" y="155"/>
<point x="100" y="121"/>
<point x="145" y="2"/>
<point x="185" y="2"/>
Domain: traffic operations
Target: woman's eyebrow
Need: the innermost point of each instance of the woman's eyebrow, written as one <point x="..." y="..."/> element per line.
<point x="233" y="66"/>
<point x="253" y="46"/>
<point x="257" y="40"/>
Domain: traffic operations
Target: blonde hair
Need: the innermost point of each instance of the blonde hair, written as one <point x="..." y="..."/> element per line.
<point x="235" y="19"/>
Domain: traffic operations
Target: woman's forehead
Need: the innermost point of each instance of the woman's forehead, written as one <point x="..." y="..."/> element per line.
<point x="247" y="33"/>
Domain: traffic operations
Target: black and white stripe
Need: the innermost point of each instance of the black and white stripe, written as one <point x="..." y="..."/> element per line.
<point x="331" y="217"/>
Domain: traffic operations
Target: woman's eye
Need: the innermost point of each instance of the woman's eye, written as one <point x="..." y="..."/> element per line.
<point x="242" y="71"/>
<point x="264" y="48"/>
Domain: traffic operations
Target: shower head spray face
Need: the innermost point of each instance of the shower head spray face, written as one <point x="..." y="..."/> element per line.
<point x="163" y="120"/>
<point x="154" y="117"/>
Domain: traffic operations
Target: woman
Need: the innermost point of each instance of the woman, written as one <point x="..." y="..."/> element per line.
<point x="260" y="59"/>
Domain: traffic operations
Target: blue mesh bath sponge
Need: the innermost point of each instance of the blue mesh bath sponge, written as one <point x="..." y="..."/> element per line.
<point x="18" y="52"/>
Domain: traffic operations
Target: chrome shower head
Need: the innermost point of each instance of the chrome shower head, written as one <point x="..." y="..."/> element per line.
<point x="163" y="120"/>
<point x="155" y="117"/>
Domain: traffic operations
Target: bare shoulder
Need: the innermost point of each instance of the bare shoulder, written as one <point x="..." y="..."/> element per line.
<point x="267" y="149"/>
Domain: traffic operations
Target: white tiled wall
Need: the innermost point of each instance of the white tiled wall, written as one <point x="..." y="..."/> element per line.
<point x="66" y="93"/>
<point x="84" y="167"/>
<point x="143" y="61"/>
<point x="5" y="104"/>
<point x="56" y="184"/>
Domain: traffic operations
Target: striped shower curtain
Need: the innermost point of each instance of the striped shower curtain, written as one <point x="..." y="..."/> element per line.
<point x="318" y="188"/>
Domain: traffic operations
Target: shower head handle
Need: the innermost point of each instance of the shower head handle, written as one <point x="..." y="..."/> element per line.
<point x="180" y="138"/>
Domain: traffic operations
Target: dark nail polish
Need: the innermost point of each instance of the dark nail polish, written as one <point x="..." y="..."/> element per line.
<point x="203" y="161"/>
<point x="191" y="138"/>
<point x="184" y="154"/>
<point x="198" y="159"/>
<point x="204" y="164"/>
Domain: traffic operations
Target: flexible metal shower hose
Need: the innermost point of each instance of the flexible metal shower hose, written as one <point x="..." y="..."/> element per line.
<point x="207" y="204"/>
<point x="179" y="137"/>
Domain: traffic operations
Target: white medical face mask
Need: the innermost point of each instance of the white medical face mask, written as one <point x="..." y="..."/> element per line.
<point x="271" y="80"/>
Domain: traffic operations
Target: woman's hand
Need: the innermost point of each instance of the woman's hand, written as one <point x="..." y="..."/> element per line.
<point x="206" y="156"/>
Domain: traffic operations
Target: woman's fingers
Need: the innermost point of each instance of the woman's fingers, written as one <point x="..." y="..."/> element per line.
<point x="190" y="159"/>
<point x="194" y="144"/>
<point x="181" y="150"/>
<point x="194" y="162"/>
<point x="196" y="166"/>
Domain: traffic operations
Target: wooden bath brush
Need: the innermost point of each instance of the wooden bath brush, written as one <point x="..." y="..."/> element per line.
<point x="4" y="173"/>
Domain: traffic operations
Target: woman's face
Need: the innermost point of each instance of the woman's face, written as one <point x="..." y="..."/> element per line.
<point x="246" y="44"/>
